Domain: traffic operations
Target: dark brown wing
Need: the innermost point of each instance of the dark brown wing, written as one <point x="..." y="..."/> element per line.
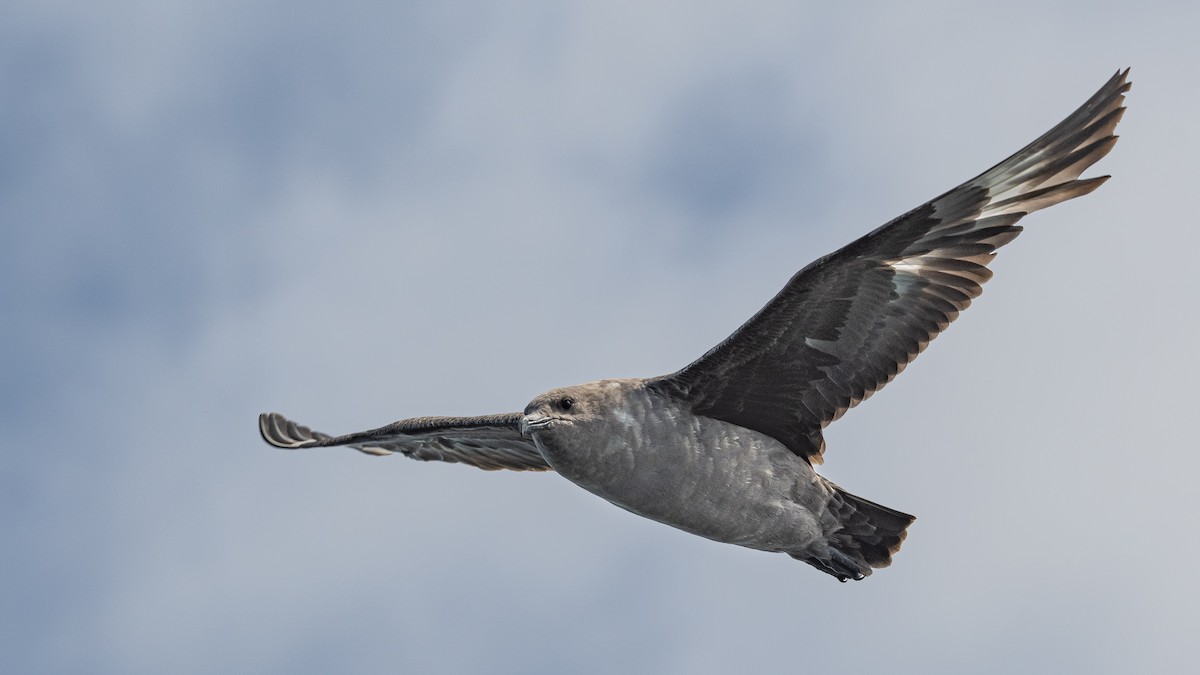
<point x="847" y="324"/>
<point x="489" y="442"/>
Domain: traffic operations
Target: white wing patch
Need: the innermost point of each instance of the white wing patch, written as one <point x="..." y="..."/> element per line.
<point x="908" y="265"/>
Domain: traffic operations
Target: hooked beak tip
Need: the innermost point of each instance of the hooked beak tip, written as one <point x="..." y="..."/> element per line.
<point x="532" y="422"/>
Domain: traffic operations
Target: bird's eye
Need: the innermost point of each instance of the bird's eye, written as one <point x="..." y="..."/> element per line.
<point x="566" y="403"/>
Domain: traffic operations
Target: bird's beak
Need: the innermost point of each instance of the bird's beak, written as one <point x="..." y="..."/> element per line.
<point x="534" y="421"/>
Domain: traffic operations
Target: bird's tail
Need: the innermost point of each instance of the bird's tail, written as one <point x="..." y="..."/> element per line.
<point x="864" y="536"/>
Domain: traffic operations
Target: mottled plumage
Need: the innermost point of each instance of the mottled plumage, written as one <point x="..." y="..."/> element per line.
<point x="725" y="447"/>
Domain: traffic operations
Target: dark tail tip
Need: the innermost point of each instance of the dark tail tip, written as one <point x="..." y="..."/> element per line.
<point x="867" y="537"/>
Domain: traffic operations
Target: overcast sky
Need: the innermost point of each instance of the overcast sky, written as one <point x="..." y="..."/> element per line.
<point x="367" y="211"/>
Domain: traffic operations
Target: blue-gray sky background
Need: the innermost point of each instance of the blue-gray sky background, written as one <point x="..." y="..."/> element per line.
<point x="357" y="212"/>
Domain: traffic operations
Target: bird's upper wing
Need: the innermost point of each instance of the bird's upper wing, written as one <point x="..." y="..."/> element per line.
<point x="848" y="323"/>
<point x="489" y="442"/>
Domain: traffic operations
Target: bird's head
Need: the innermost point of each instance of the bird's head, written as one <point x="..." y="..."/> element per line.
<point x="556" y="409"/>
<point x="572" y="408"/>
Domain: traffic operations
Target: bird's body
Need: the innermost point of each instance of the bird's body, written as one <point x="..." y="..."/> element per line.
<point x="724" y="448"/>
<point x="645" y="452"/>
<point x="648" y="455"/>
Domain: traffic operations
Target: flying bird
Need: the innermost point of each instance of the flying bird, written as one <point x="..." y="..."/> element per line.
<point x="725" y="448"/>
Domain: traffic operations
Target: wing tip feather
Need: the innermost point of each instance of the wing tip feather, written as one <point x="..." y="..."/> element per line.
<point x="281" y="432"/>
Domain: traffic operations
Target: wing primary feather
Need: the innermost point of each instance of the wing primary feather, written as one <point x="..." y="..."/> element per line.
<point x="488" y="442"/>
<point x="848" y="323"/>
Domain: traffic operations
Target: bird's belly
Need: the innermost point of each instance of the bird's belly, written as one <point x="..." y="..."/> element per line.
<point x="707" y="477"/>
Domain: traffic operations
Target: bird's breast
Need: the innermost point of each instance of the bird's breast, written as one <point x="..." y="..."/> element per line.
<point x="655" y="458"/>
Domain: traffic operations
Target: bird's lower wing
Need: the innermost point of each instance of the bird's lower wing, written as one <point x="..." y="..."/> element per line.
<point x="489" y="442"/>
<point x="845" y="325"/>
